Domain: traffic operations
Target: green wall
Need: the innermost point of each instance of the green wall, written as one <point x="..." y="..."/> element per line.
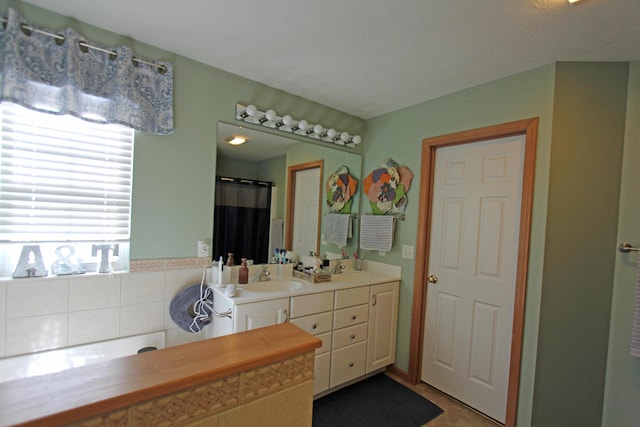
<point x="275" y="170"/>
<point x="622" y="390"/>
<point x="582" y="217"/>
<point x="236" y="168"/>
<point x="173" y="204"/>
<point x="581" y="107"/>
<point x="400" y="134"/>
<point x="172" y="200"/>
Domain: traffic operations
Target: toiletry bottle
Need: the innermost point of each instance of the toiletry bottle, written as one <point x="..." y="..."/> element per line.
<point x="243" y="273"/>
<point x="219" y="278"/>
<point x="230" y="261"/>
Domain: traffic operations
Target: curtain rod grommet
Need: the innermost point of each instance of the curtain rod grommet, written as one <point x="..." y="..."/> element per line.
<point x="82" y="45"/>
<point x="25" y="29"/>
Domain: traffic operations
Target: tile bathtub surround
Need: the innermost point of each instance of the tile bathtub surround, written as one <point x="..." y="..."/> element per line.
<point x="93" y="325"/>
<point x="37" y="297"/>
<point x="46" y="313"/>
<point x="36" y="333"/>
<point x="93" y="292"/>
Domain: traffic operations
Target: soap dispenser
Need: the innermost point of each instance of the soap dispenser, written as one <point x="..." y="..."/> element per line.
<point x="243" y="273"/>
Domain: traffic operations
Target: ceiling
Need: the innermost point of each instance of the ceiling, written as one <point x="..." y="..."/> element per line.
<point x="369" y="57"/>
<point x="259" y="145"/>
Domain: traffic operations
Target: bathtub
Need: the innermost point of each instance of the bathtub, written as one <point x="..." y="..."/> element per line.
<point x="48" y="362"/>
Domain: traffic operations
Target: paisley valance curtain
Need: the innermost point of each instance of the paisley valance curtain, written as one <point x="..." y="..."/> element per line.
<point x="61" y="75"/>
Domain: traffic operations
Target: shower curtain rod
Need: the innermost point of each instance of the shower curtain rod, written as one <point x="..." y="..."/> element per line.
<point x="26" y="29"/>
<point x="245" y="181"/>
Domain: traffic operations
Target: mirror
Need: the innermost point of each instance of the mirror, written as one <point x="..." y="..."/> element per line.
<point x="267" y="158"/>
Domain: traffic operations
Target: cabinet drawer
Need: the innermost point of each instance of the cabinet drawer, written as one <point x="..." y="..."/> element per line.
<point x="347" y="363"/>
<point x="351" y="297"/>
<point x="350" y="316"/>
<point x="314" y="324"/>
<point x="321" y="372"/>
<point x="351" y="335"/>
<point x="305" y="305"/>
<point x="326" y="342"/>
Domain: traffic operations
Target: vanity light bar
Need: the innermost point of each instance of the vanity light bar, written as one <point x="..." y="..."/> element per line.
<point x="286" y="123"/>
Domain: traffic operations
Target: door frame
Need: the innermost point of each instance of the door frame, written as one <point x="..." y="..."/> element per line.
<point x="291" y="193"/>
<point x="529" y="128"/>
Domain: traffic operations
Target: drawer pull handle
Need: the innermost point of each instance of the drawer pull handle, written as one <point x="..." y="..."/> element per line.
<point x="353" y="336"/>
<point x="353" y="317"/>
<point x="351" y="364"/>
<point x="314" y="326"/>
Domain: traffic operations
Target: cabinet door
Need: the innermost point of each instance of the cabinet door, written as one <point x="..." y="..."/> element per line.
<point x="383" y="322"/>
<point x="321" y="372"/>
<point x="260" y="314"/>
<point x="348" y="363"/>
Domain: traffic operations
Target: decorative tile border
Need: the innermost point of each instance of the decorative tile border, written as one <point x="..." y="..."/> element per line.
<point x="202" y="402"/>
<point x="186" y="263"/>
<point x="118" y="418"/>
<point x="161" y="264"/>
<point x="280" y="375"/>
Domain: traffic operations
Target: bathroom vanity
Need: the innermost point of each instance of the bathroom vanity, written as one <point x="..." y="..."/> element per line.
<point x="355" y="315"/>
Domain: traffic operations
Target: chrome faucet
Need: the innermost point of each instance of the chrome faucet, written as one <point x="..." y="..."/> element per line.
<point x="337" y="269"/>
<point x="264" y="275"/>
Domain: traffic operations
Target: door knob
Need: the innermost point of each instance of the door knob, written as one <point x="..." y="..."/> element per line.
<point x="432" y="279"/>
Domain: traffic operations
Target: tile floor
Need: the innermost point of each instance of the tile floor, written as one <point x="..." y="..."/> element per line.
<point x="455" y="414"/>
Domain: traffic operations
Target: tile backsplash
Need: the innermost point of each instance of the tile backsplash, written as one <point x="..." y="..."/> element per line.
<point x="46" y="313"/>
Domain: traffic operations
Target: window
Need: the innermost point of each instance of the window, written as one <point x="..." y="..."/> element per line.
<point x="63" y="179"/>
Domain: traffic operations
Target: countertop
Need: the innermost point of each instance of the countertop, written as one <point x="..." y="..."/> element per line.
<point x="373" y="273"/>
<point x="78" y="393"/>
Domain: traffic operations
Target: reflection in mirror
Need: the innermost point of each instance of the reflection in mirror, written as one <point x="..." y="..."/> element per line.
<point x="304" y="207"/>
<point x="266" y="157"/>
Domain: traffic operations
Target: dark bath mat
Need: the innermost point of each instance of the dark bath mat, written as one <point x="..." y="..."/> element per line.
<point x="376" y="401"/>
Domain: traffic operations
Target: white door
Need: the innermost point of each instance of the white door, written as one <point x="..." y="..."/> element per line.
<point x="473" y="261"/>
<point x="306" y="211"/>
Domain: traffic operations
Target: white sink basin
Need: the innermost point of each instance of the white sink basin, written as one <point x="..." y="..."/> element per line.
<point x="275" y="286"/>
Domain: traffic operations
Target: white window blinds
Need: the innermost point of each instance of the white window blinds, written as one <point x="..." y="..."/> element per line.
<point x="62" y="178"/>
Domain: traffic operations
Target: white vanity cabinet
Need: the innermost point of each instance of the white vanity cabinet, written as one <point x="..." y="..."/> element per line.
<point x="383" y="322"/>
<point x="314" y="314"/>
<point x="260" y="314"/>
<point x="234" y="317"/>
<point x="357" y="326"/>
<point x="349" y="350"/>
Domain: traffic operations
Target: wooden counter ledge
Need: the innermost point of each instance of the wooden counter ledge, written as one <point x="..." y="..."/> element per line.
<point x="83" y="392"/>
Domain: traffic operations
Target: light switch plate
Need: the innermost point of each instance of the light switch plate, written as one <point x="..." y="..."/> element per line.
<point x="407" y="251"/>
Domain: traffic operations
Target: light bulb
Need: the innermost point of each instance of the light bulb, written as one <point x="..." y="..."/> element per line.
<point x="287" y="120"/>
<point x="317" y="129"/>
<point x="344" y="136"/>
<point x="270" y="115"/>
<point x="356" y="139"/>
<point x="331" y="133"/>
<point x="251" y="110"/>
<point x="303" y="125"/>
